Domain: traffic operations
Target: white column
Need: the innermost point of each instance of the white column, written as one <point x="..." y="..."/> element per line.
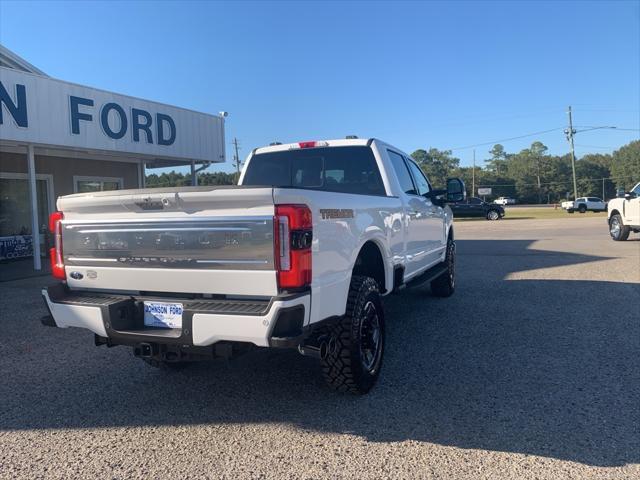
<point x="35" y="223"/>
<point x="141" y="174"/>
<point x="194" y="178"/>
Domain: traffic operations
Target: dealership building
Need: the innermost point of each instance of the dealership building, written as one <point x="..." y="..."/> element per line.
<point x="59" y="138"/>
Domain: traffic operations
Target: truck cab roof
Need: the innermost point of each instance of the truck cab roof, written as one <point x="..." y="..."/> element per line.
<point x="341" y="142"/>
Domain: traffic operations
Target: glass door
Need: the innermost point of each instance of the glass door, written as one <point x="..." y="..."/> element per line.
<point x="16" y="236"/>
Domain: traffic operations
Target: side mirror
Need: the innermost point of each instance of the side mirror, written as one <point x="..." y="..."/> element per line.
<point x="629" y="195"/>
<point x="456" y="191"/>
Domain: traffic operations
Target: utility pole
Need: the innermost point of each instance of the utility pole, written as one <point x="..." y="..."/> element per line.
<point x="236" y="158"/>
<point x="473" y="175"/>
<point x="538" y="177"/>
<point x="570" y="132"/>
<point x="603" y="199"/>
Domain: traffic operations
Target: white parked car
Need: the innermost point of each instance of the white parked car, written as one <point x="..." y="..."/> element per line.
<point x="505" y="201"/>
<point x="298" y="255"/>
<point x="624" y="214"/>
<point x="585" y="204"/>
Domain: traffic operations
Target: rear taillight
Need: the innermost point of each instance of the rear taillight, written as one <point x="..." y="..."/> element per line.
<point x="55" y="253"/>
<point x="293" y="236"/>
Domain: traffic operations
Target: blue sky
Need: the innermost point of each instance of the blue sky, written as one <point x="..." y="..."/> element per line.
<point x="416" y="74"/>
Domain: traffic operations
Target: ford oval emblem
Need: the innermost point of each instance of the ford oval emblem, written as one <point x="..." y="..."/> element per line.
<point x="76" y="275"/>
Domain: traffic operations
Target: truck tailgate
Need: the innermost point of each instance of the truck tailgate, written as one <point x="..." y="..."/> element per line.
<point x="186" y="240"/>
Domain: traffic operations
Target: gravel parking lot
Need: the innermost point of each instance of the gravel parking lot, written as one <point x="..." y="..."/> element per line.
<point x="531" y="370"/>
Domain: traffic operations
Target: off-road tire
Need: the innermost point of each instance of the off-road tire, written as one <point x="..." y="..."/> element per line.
<point x="445" y="284"/>
<point x="343" y="368"/>
<point x="620" y="234"/>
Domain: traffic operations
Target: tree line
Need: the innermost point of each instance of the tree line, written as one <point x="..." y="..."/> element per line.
<point x="530" y="176"/>
<point x="534" y="176"/>
<point x="177" y="179"/>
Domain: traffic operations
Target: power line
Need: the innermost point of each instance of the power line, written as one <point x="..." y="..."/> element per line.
<point x="596" y="146"/>
<point x="607" y="110"/>
<point x="610" y="128"/>
<point x="473" y="119"/>
<point x="507" y="139"/>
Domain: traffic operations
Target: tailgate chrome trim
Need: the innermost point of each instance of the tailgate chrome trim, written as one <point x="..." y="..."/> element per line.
<point x="165" y="229"/>
<point x="145" y="221"/>
<point x="212" y="243"/>
<point x="248" y="262"/>
<point x="78" y="259"/>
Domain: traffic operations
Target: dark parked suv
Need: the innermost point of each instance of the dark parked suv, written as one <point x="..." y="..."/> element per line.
<point x="475" y="207"/>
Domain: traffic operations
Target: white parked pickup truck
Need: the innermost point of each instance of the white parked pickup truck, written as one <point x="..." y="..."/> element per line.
<point x="624" y="214"/>
<point x="585" y="204"/>
<point x="505" y="201"/>
<point x="297" y="255"/>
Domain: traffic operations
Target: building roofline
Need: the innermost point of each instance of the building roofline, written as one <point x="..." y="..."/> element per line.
<point x="109" y="92"/>
<point x="15" y="61"/>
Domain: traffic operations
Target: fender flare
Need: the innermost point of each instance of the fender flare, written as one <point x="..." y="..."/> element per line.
<point x="379" y="240"/>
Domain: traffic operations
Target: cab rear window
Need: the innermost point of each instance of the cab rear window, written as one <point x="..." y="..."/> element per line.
<point x="331" y="169"/>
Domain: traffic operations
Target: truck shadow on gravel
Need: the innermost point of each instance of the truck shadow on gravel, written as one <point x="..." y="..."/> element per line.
<point x="538" y="367"/>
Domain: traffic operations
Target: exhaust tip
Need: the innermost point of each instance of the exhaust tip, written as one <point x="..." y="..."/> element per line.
<point x="323" y="350"/>
<point x="332" y="345"/>
<point x="313" y="351"/>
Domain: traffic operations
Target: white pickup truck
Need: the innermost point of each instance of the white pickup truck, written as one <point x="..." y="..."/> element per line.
<point x="297" y="255"/>
<point x="624" y="214"/>
<point x="585" y="204"/>
<point x="504" y="201"/>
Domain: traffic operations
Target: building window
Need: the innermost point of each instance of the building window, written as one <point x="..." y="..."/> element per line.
<point x="16" y="235"/>
<point x="96" y="184"/>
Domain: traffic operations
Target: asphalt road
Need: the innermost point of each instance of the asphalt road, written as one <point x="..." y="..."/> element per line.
<point x="531" y="370"/>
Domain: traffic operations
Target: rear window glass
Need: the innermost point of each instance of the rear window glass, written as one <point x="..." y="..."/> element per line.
<point x="333" y="169"/>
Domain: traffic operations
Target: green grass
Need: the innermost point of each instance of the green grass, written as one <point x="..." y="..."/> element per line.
<point x="535" y="213"/>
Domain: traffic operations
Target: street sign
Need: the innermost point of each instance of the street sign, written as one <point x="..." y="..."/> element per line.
<point x="484" y="191"/>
